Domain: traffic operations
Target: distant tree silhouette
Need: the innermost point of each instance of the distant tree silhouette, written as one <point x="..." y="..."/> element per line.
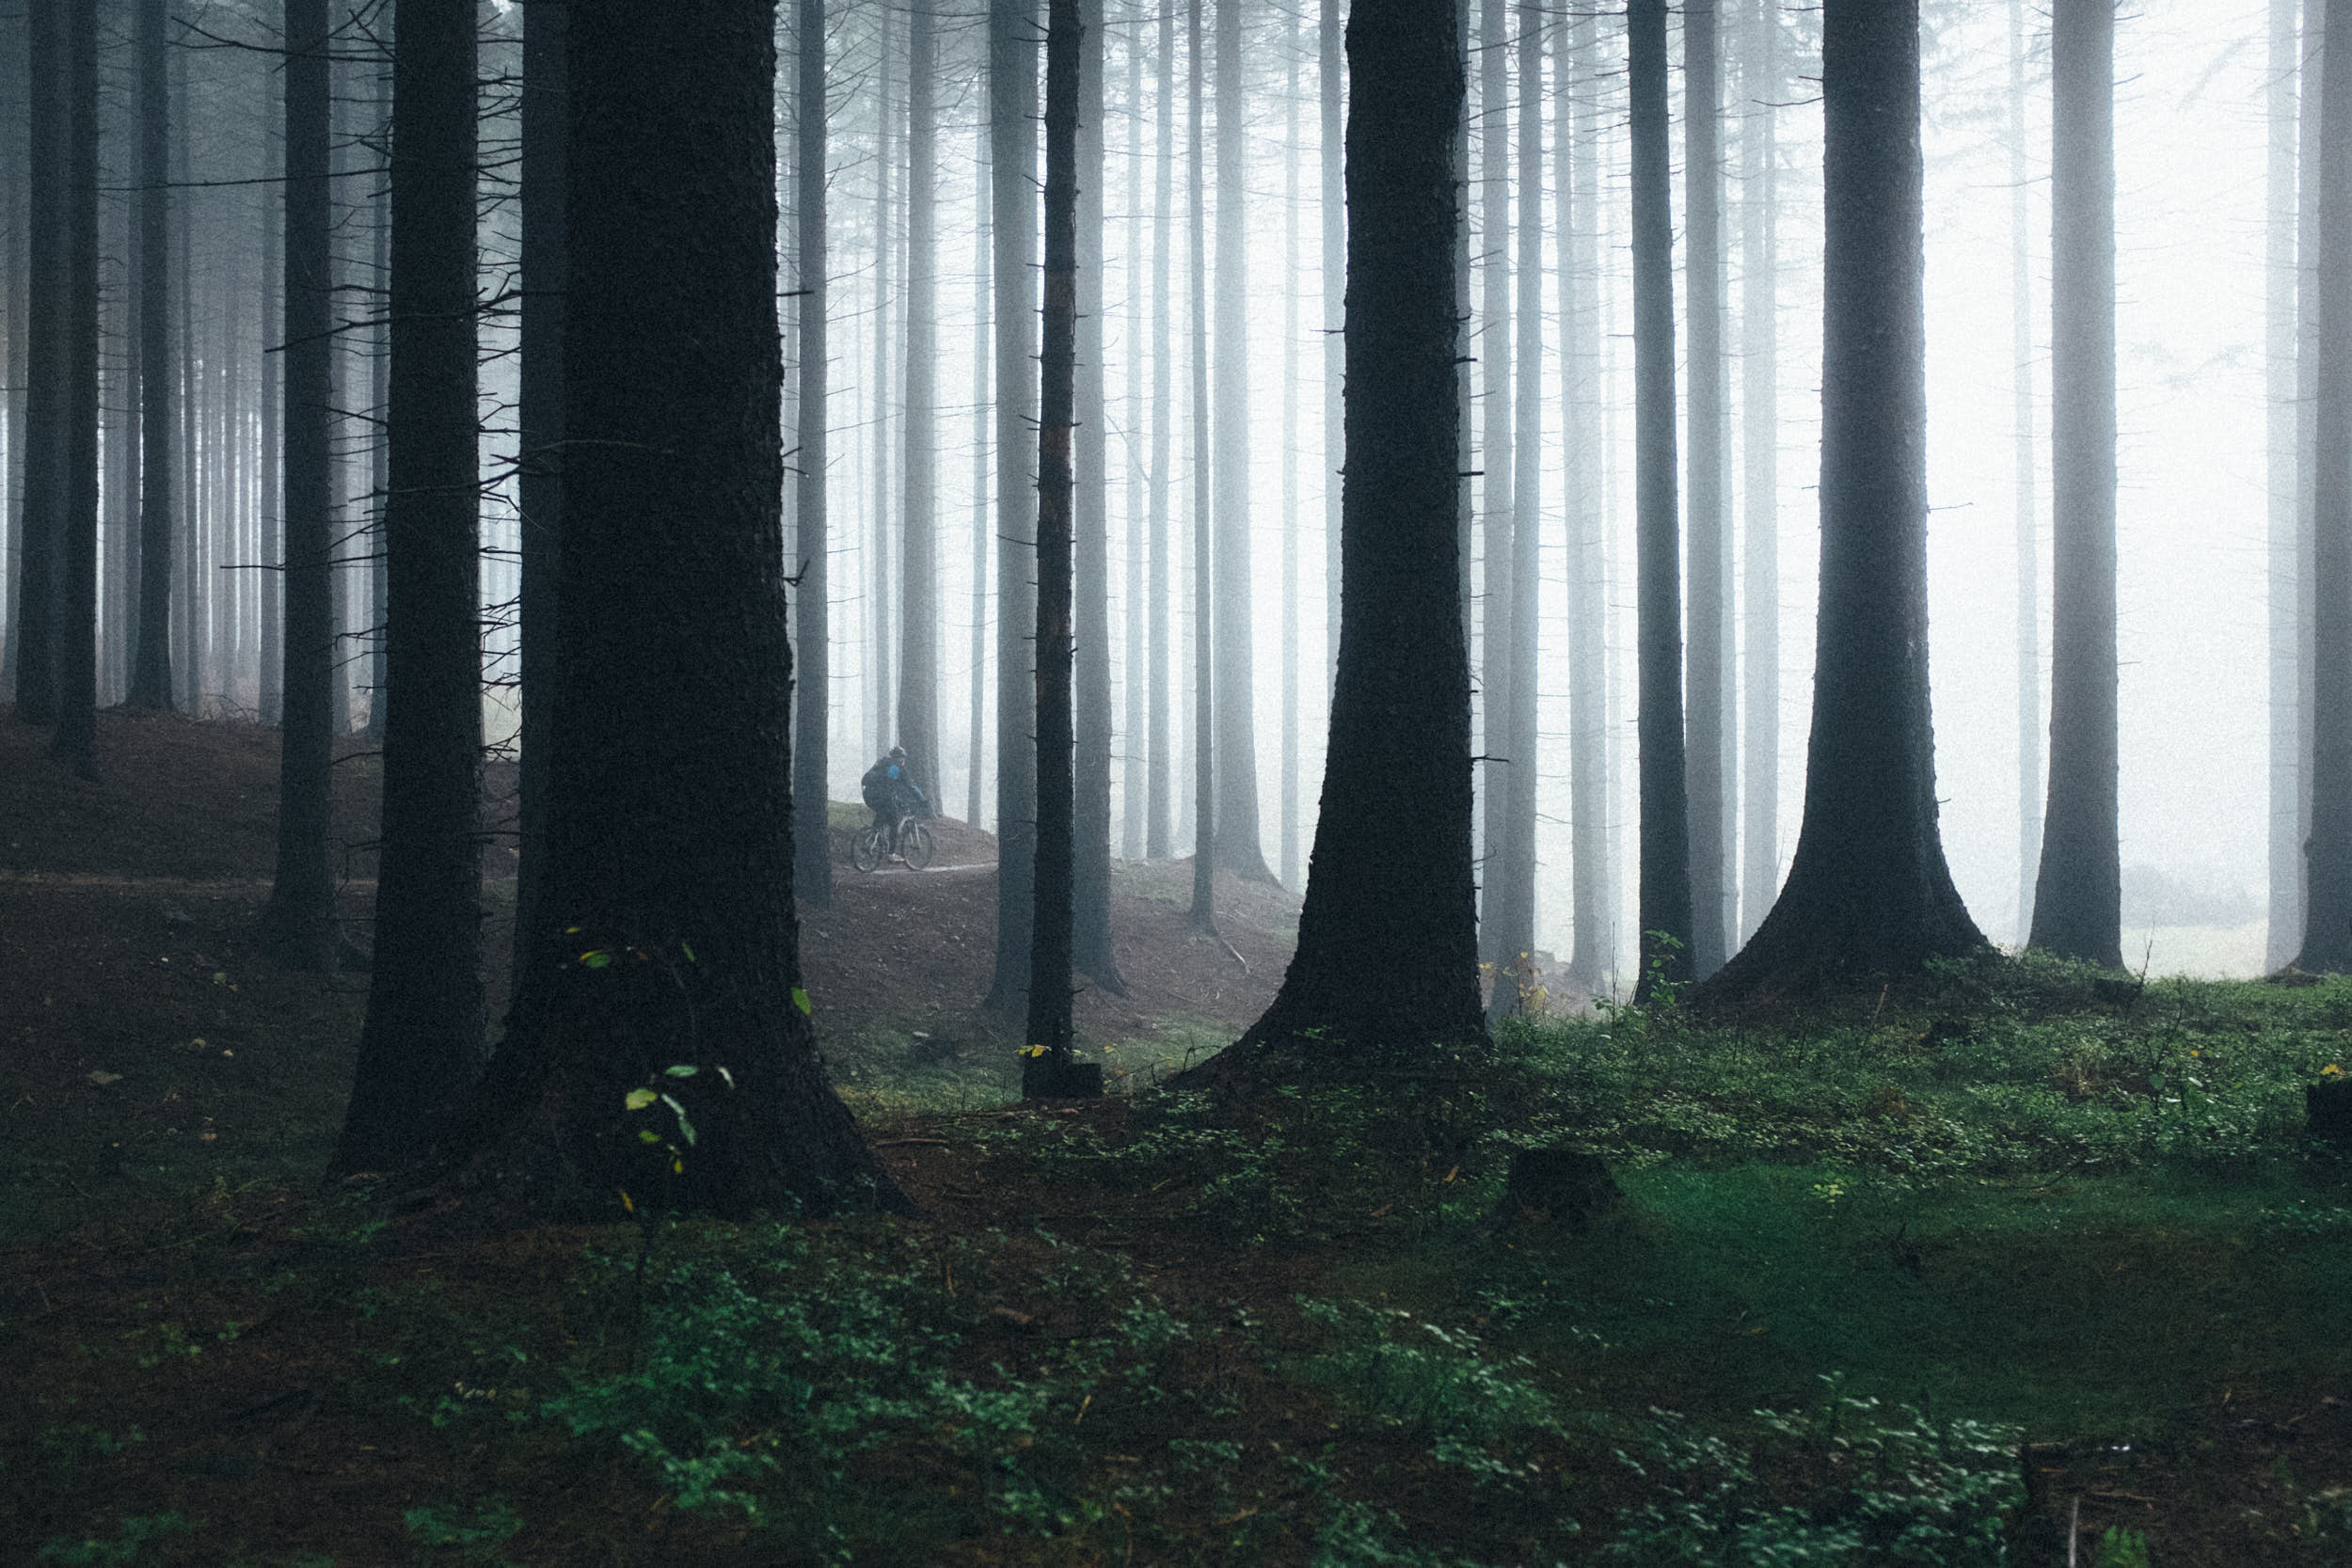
<point x="668" y="938"/>
<point x="2328" y="919"/>
<point x="76" y="566"/>
<point x="811" y="712"/>
<point x="2078" y="894"/>
<point x="1387" y="953"/>
<point x="1868" y="892"/>
<point x="150" y="658"/>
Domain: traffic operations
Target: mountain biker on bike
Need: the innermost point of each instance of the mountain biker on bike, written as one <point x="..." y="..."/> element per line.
<point x="890" y="791"/>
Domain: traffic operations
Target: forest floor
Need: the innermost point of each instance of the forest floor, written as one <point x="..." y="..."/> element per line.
<point x="1940" y="1282"/>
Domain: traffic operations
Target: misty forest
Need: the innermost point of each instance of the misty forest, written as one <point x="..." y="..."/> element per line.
<point x="1373" y="784"/>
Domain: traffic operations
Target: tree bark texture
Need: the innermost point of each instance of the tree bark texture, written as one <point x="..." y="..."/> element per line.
<point x="2077" y="903"/>
<point x="2327" y="923"/>
<point x="1665" y="830"/>
<point x="73" y="739"/>
<point x="670" y="939"/>
<point x="150" y="660"/>
<point x="1388" y="947"/>
<point x="1868" y="893"/>
<point x="1049" y="1011"/>
<point x="1240" y="843"/>
<point x="919" y="554"/>
<point x="811" y="713"/>
<point x="299" y="920"/>
<point x="1013" y="39"/>
<point x="423" y="1043"/>
<point x="1711" y="743"/>
<point x="1091" y="844"/>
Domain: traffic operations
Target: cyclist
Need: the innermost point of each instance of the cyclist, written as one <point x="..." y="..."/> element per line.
<point x="890" y="791"/>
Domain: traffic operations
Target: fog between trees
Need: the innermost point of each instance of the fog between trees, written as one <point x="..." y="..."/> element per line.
<point x="2206" y="422"/>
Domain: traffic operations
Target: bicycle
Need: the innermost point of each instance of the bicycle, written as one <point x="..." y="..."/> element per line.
<point x="872" y="845"/>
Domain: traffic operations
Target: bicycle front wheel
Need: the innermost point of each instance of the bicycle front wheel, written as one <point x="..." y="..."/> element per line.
<point x="866" y="849"/>
<point x="914" y="846"/>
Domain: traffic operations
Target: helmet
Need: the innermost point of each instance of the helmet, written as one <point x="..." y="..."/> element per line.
<point x="897" y="753"/>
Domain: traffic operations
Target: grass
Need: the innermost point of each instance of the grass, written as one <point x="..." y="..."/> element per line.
<point x="1872" y="1273"/>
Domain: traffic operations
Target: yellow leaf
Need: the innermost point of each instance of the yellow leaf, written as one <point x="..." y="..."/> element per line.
<point x="625" y="1203"/>
<point x="639" y="1099"/>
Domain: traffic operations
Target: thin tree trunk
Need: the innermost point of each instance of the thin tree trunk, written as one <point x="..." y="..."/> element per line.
<point x="269" y="686"/>
<point x="812" y="836"/>
<point x="2327" y="924"/>
<point x="1239" y="843"/>
<point x="73" y="740"/>
<point x="422" y="1045"/>
<point x="2027" y="485"/>
<point x="300" y="919"/>
<point x="1203" y="415"/>
<point x="1159" y="831"/>
<point x="1012" y="122"/>
<point x="40" y="531"/>
<point x="918" y="595"/>
<point x="1665" y="899"/>
<point x="1759" y="432"/>
<point x="882" y="583"/>
<point x="1048" y="1028"/>
<point x="1511" y="878"/>
<point x="1135" y="686"/>
<point x="1591" y="886"/>
<point x="1091" y="863"/>
<point x="540" y="468"/>
<point x="2077" y="905"/>
<point x="1289" y="836"/>
<point x="377" y="671"/>
<point x="151" y="669"/>
<point x="1709" y="681"/>
<point x="1330" y="82"/>
<point x="984" y="419"/>
<point x="2287" y="96"/>
<point x="1497" y="921"/>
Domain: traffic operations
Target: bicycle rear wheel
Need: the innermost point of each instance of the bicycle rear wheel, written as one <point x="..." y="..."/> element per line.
<point x="914" y="846"/>
<point x="866" y="848"/>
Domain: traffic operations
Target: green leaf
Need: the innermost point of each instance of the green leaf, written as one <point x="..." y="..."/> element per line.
<point x="681" y="1070"/>
<point x="687" y="950"/>
<point x="685" y="1128"/>
<point x="645" y="1136"/>
<point x="800" y="1000"/>
<point x="596" y="959"/>
<point x="639" y="1099"/>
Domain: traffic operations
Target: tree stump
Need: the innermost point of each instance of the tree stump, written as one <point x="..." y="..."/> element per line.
<point x="1560" y="1187"/>
<point x="2327" y="1110"/>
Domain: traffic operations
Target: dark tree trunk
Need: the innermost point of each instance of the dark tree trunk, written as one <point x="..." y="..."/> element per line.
<point x="1159" y="841"/>
<point x="1239" y="843"/>
<point x="1665" y="896"/>
<point x="2077" y="903"/>
<point x="269" y="684"/>
<point x="150" y="661"/>
<point x="41" y="529"/>
<point x="540" y="468"/>
<point x="1205" y="417"/>
<point x="376" y="667"/>
<point x="299" y="921"/>
<point x="670" y="939"/>
<point x="1387" y="953"/>
<point x="2327" y="921"/>
<point x="918" y="597"/>
<point x="1868" y="893"/>
<point x="1090" y="852"/>
<point x="76" y="734"/>
<point x="1012" y="198"/>
<point x="423" y="1043"/>
<point x="1049" y="1011"/>
<point x="811" y="839"/>
<point x="1591" y="850"/>
<point x="1709" y="727"/>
